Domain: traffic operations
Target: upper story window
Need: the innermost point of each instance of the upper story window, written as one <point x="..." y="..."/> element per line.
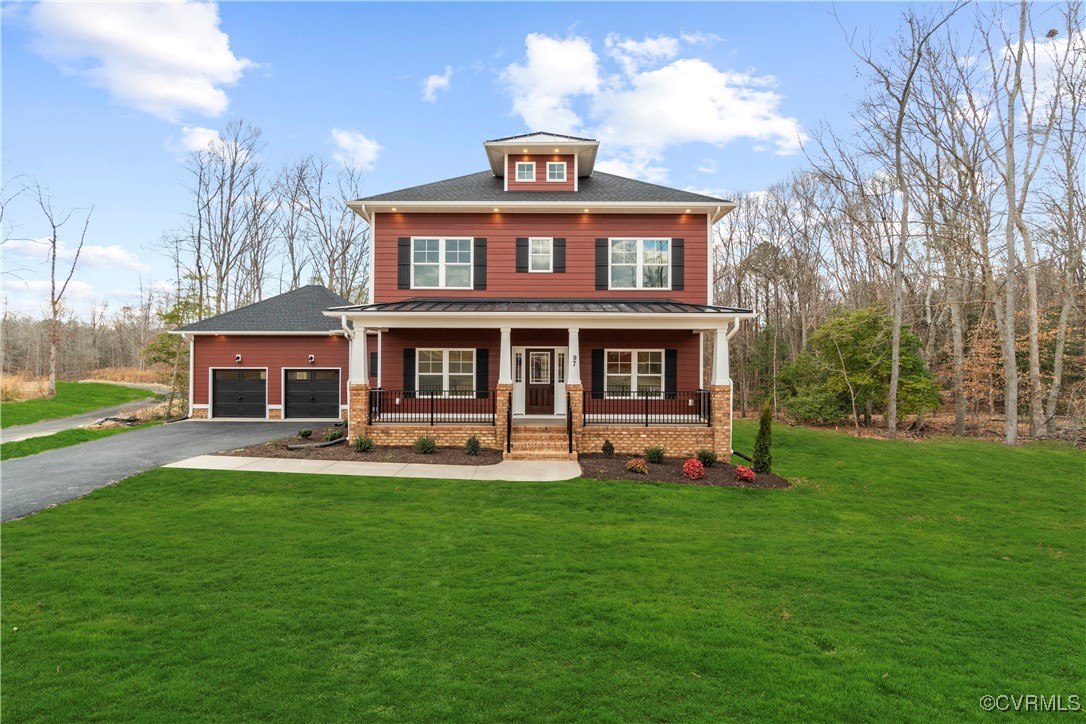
<point x="441" y="263"/>
<point x="540" y="254"/>
<point x="525" y="171"/>
<point x="556" y="170"/>
<point x="640" y="263"/>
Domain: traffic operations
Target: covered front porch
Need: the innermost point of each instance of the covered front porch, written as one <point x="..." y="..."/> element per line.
<point x="590" y="370"/>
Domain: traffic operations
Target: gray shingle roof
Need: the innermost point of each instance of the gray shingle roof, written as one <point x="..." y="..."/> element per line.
<point x="544" y="306"/>
<point x="599" y="187"/>
<point x="298" y="310"/>
<point x="541" y="134"/>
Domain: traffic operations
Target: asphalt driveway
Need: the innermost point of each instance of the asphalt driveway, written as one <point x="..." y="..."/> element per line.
<point x="40" y="481"/>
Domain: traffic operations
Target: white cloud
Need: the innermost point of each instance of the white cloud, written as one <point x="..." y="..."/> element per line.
<point x="163" y="58"/>
<point x="641" y="113"/>
<point x="708" y="165"/>
<point x="31" y="296"/>
<point x="435" y="83"/>
<point x="92" y="255"/>
<point x="554" y="71"/>
<point x="197" y="138"/>
<point x="355" y="150"/>
<point x="699" y="38"/>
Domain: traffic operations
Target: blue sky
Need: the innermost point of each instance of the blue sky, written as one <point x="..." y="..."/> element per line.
<point x="101" y="102"/>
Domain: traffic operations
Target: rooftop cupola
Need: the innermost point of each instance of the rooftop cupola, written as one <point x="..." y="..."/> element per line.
<point x="539" y="144"/>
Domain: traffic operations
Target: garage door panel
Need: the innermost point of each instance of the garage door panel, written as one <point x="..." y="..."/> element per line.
<point x="312" y="393"/>
<point x="239" y="393"/>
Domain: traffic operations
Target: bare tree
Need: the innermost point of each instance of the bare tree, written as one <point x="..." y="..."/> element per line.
<point x="338" y="238"/>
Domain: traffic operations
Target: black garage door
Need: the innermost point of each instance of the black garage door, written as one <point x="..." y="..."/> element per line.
<point x="312" y="393"/>
<point x="239" y="393"/>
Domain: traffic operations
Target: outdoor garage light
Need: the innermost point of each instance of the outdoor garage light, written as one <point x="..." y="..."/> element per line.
<point x="237" y="358"/>
<point x="312" y="359"/>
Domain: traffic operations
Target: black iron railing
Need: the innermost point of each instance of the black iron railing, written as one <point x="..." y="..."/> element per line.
<point x="433" y="407"/>
<point x="509" y="424"/>
<point x="692" y="407"/>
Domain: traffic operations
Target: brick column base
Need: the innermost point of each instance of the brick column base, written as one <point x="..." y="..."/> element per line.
<point x="504" y="399"/>
<point x="358" y="408"/>
<point x="721" y="396"/>
<point x="576" y="411"/>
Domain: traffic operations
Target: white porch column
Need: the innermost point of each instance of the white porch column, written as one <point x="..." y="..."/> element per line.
<point x="360" y="359"/>
<point x="380" y="364"/>
<point x="573" y="358"/>
<point x="721" y="364"/>
<point x="505" y="358"/>
<point x="701" y="358"/>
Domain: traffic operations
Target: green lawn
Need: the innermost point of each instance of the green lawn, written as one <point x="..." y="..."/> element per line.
<point x="35" y="445"/>
<point x="895" y="581"/>
<point x="72" y="398"/>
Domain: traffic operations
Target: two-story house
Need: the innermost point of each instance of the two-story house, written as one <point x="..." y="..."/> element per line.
<point x="542" y="306"/>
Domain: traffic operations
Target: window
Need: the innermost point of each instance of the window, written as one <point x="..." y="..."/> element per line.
<point x="634" y="373"/>
<point x="447" y="371"/>
<point x="560" y="367"/>
<point x="556" y="170"/>
<point x="525" y="171"/>
<point x="540" y="255"/>
<point x="640" y="263"/>
<point x="539" y="368"/>
<point x="439" y="263"/>
<point x="520" y="366"/>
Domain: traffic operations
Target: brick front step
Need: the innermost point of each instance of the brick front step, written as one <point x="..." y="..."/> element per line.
<point x="539" y="455"/>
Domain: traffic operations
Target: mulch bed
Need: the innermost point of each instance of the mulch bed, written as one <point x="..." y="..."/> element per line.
<point x="720" y="475"/>
<point x="344" y="451"/>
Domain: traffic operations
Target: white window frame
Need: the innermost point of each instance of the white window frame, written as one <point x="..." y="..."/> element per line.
<point x="551" y="164"/>
<point x="634" y="394"/>
<point x="516" y="172"/>
<point x="639" y="265"/>
<point x="445" y="391"/>
<point x="441" y="261"/>
<point x="550" y="255"/>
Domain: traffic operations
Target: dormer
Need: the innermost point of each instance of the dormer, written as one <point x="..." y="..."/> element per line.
<point x="541" y="161"/>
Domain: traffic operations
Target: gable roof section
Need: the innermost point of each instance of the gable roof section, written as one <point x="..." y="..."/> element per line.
<point x="297" y="311"/>
<point x="543" y="136"/>
<point x="485" y="187"/>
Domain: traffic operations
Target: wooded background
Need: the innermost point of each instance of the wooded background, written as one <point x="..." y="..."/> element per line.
<point x="929" y="255"/>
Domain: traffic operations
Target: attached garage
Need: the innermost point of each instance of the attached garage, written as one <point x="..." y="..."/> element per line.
<point x="278" y="358"/>
<point x="311" y="393"/>
<point x="239" y="393"/>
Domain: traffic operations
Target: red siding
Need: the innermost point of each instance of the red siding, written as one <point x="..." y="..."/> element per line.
<point x="580" y="232"/>
<point x="394" y="341"/>
<point x="541" y="183"/>
<point x="273" y="352"/>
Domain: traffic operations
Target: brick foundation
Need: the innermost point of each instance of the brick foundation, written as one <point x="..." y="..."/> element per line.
<point x="275" y="414"/>
<point x="199" y="413"/>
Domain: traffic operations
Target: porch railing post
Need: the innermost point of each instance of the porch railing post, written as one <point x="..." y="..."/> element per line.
<point x="646" y="410"/>
<point x="431" y="409"/>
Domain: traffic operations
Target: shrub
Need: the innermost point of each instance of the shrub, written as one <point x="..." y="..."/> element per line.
<point x="706" y="457"/>
<point x="763" y="456"/>
<point x="304" y="433"/>
<point x="693" y="469"/>
<point x="608" y="449"/>
<point x="637" y="465"/>
<point x="744" y="474"/>
<point x="333" y="434"/>
<point x="363" y="443"/>
<point x="654" y="455"/>
<point x="425" y="445"/>
<point x="471" y="447"/>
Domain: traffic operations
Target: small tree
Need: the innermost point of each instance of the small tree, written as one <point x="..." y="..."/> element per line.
<point x="763" y="457"/>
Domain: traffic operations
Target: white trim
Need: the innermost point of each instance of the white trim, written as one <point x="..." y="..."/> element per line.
<point x="283" y="389"/>
<point x="505" y="173"/>
<point x="639" y="264"/>
<point x="201" y="407"/>
<point x="211" y="389"/>
<point x="441" y="263"/>
<point x="192" y="372"/>
<point x="545" y="320"/>
<point x="516" y="172"/>
<point x="373" y="260"/>
<point x="576" y="172"/>
<point x="329" y="333"/>
<point x="511" y="205"/>
<point x="565" y="172"/>
<point x="550" y="254"/>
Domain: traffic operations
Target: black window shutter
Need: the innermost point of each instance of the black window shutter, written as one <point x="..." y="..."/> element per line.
<point x="559" y="265"/>
<point x="409" y="372"/>
<point x="597" y="374"/>
<point x="678" y="264"/>
<point x="671" y="372"/>
<point x="482" y="372"/>
<point x="403" y="259"/>
<point x="602" y="282"/>
<point x="373" y="364"/>
<point x="522" y="253"/>
<point x="480" y="263"/>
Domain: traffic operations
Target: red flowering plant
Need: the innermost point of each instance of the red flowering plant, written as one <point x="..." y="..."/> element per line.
<point x="693" y="469"/>
<point x="637" y="465"/>
<point x="744" y="474"/>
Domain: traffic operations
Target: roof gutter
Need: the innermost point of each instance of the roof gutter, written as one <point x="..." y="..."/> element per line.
<point x="360" y="209"/>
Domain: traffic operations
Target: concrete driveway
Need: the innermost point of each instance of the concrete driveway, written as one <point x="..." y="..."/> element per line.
<point x="34" y="483"/>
